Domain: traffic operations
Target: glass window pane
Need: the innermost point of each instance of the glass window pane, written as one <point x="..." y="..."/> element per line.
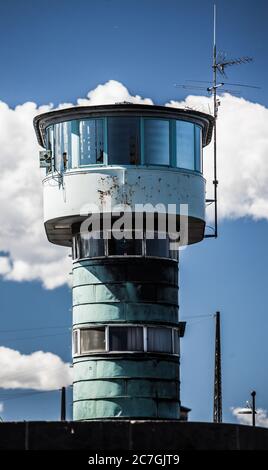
<point x="49" y="138"/>
<point x="159" y="339"/>
<point x="124" y="247"/>
<point x="124" y="338"/>
<point x="176" y="345"/>
<point x="92" y="339"/>
<point x="124" y="140"/>
<point x="90" y="247"/>
<point x="156" y="142"/>
<point x="59" y="146"/>
<point x="74" y="163"/>
<point x="157" y="247"/>
<point x="185" y="139"/>
<point x="75" y="341"/>
<point x="67" y="150"/>
<point x="198" y="148"/>
<point x="91" y="141"/>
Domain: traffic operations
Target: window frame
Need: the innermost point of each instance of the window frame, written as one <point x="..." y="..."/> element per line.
<point x="93" y="351"/>
<point x="108" y="351"/>
<point x="139" y="147"/>
<point x="127" y="350"/>
<point x="142" y="142"/>
<point x="77" y="252"/>
<point x="104" y="135"/>
<point x="172" y="160"/>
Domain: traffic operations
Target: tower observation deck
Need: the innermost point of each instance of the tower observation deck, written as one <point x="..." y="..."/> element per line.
<point x="123" y="183"/>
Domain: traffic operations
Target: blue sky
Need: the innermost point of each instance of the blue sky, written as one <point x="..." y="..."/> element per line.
<point x="56" y="51"/>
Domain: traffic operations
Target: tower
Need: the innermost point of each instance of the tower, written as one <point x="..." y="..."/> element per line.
<point x="136" y="164"/>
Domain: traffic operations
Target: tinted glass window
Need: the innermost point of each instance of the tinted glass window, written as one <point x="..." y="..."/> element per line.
<point x="92" y="339"/>
<point x="123" y="338"/>
<point x="157" y="247"/>
<point x="156" y="142"/>
<point x="124" y="140"/>
<point x="73" y="162"/>
<point x="185" y="145"/>
<point x="198" y="149"/>
<point x="159" y="340"/>
<point x="59" y="146"/>
<point x="89" y="247"/>
<point x="176" y="348"/>
<point x="124" y="247"/>
<point x="91" y="141"/>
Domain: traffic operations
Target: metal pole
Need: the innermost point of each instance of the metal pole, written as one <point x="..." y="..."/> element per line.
<point x="215" y="181"/>
<point x="63" y="404"/>
<point x="217" y="410"/>
<point x="253" y="394"/>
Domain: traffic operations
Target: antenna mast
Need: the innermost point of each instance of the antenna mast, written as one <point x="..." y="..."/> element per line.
<point x="220" y="62"/>
<point x="215" y="181"/>
<point x="217" y="411"/>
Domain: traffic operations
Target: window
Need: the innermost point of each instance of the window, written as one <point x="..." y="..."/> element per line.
<point x="59" y="147"/>
<point x="73" y="162"/>
<point x="185" y="137"/>
<point x="156" y="142"/>
<point x="198" y="148"/>
<point x="92" y="339"/>
<point x="91" y="141"/>
<point x="176" y="341"/>
<point x="157" y="247"/>
<point x="122" y="338"/>
<point x="159" y="339"/>
<point x="168" y="142"/>
<point x="89" y="247"/>
<point x="75" y="341"/>
<point x="124" y="247"/>
<point x="124" y="140"/>
<point x="49" y="138"/>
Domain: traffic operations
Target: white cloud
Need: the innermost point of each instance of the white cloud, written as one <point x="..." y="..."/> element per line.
<point x="22" y="234"/>
<point x="261" y="417"/>
<point x="242" y="137"/>
<point x="39" y="370"/>
<point x="109" y="93"/>
<point x="27" y="255"/>
<point x="4" y="264"/>
<point x="1" y="407"/>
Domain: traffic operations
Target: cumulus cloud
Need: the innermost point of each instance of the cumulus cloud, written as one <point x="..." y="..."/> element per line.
<point x="110" y="93"/>
<point x="26" y="253"/>
<point x="39" y="370"/>
<point x="22" y="235"/>
<point x="261" y="417"/>
<point x="242" y="137"/>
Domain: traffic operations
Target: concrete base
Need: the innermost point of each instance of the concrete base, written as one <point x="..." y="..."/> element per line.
<point x="113" y="436"/>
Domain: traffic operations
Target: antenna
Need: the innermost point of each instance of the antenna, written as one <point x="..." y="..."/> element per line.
<point x="217" y="409"/>
<point x="220" y="62"/>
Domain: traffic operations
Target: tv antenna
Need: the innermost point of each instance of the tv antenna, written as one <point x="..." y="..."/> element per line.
<point x="219" y="64"/>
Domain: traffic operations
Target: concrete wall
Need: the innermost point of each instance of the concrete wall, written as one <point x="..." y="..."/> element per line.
<point x="107" y="436"/>
<point x="95" y="190"/>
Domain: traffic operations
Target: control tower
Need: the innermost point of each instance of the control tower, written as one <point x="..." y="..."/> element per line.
<point x="138" y="164"/>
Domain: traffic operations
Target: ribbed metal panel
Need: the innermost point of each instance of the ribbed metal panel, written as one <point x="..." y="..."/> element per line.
<point x="125" y="290"/>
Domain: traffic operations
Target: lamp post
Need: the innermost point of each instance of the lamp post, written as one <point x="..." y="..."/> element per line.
<point x="253" y="394"/>
<point x="251" y="409"/>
